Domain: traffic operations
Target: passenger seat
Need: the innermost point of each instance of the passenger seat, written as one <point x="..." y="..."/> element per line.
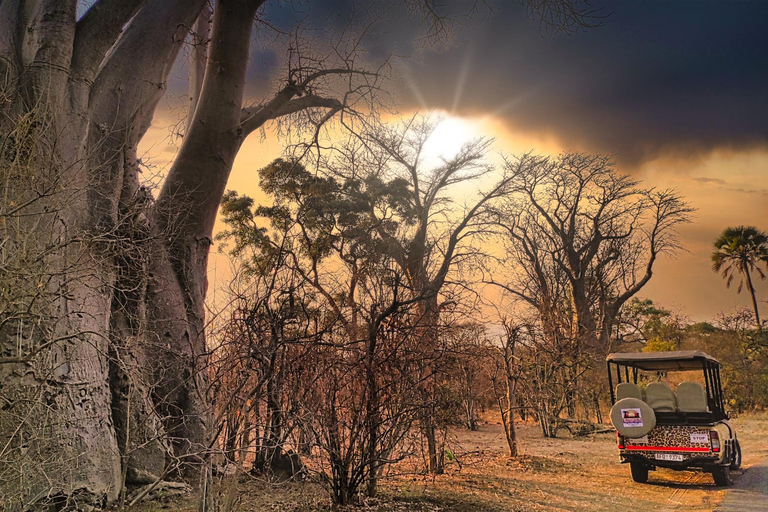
<point x="660" y="397"/>
<point x="691" y="397"/>
<point x="628" y="390"/>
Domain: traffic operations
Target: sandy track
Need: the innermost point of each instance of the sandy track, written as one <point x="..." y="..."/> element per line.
<point x="550" y="475"/>
<point x="750" y="492"/>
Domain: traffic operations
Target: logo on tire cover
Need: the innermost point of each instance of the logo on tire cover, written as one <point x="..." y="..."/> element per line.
<point x="632" y="417"/>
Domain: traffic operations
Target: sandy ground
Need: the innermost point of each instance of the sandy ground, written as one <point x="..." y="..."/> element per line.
<point x="550" y="475"/>
<point x="750" y="494"/>
<point x="583" y="474"/>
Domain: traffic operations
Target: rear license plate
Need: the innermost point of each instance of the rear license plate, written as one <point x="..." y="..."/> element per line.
<point x="675" y="457"/>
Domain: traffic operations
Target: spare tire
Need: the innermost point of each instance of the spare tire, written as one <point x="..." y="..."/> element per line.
<point x="632" y="417"/>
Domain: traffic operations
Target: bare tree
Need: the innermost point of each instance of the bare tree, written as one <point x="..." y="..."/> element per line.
<point x="576" y="217"/>
<point x="95" y="82"/>
<point x="506" y="390"/>
<point x="582" y="239"/>
<point x="435" y="234"/>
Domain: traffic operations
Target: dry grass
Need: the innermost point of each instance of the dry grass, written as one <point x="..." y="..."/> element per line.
<point x="550" y="475"/>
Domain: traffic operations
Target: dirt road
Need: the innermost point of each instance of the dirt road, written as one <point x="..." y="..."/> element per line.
<point x="750" y="494"/>
<point x="551" y="475"/>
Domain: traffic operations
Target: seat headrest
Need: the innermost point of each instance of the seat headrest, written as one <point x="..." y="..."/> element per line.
<point x="660" y="397"/>
<point x="691" y="397"/>
<point x="628" y="390"/>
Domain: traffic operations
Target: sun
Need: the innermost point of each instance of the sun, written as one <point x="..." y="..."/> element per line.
<point x="450" y="135"/>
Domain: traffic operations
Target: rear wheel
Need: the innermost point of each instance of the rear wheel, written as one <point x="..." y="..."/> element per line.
<point x="722" y="476"/>
<point x="736" y="458"/>
<point x="639" y="472"/>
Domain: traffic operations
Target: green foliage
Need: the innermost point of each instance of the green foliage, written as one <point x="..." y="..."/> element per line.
<point x="332" y="216"/>
<point x="659" y="345"/>
<point x="658" y="327"/>
<point x="742" y="351"/>
<point x="741" y="249"/>
<point x="638" y="307"/>
<point x="701" y="329"/>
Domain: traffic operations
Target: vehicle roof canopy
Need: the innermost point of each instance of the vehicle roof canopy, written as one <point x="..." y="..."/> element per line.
<point x="663" y="361"/>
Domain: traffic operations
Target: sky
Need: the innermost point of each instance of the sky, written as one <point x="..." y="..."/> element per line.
<point x="676" y="91"/>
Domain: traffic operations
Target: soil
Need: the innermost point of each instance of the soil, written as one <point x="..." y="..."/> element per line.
<point x="549" y="475"/>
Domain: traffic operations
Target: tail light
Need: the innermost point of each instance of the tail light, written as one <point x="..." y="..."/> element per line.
<point x="620" y="441"/>
<point x="714" y="438"/>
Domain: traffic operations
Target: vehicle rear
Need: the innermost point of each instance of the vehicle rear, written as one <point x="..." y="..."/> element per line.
<point x="674" y="446"/>
<point x="684" y="427"/>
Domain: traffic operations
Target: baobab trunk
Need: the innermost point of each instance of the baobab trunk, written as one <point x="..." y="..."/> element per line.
<point x="184" y="215"/>
<point x="127" y="108"/>
<point x="54" y="383"/>
<point x="55" y="386"/>
<point x="71" y="124"/>
<point x="123" y="278"/>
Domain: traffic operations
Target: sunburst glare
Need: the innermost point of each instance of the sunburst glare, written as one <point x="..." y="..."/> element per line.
<point x="450" y="135"/>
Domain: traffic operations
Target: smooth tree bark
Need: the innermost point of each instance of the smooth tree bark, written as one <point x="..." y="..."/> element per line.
<point x="184" y="214"/>
<point x="120" y="375"/>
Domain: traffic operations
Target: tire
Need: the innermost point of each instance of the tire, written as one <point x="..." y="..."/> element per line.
<point x="736" y="457"/>
<point x="722" y="476"/>
<point x="639" y="472"/>
<point x="639" y="424"/>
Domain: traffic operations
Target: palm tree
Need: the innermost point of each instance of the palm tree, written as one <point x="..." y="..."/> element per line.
<point x="742" y="249"/>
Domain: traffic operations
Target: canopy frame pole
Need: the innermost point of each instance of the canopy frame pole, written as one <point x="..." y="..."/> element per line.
<point x="710" y="392"/>
<point x="719" y="387"/>
<point x="610" y="383"/>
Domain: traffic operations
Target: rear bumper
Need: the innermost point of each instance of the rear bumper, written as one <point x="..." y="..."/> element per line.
<point x="691" y="459"/>
<point x="691" y="462"/>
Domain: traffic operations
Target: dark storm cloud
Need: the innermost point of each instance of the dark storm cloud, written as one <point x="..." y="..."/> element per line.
<point x="659" y="76"/>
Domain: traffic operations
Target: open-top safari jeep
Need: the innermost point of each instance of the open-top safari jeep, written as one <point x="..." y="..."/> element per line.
<point x="657" y="426"/>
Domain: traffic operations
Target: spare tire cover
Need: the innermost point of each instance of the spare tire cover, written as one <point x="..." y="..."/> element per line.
<point x="632" y="417"/>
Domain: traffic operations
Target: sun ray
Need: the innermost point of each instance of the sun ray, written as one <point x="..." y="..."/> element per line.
<point x="462" y="80"/>
<point x="414" y="89"/>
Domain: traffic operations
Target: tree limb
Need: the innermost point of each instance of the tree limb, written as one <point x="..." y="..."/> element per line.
<point x="96" y="33"/>
<point x="283" y="104"/>
<point x="198" y="59"/>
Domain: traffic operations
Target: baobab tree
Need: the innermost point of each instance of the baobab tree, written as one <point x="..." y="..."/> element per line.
<point x="582" y="239"/>
<point x="114" y="361"/>
<point x="585" y="237"/>
<point x="125" y="318"/>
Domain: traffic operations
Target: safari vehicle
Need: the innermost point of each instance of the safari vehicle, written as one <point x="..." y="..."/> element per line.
<point x="682" y="429"/>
